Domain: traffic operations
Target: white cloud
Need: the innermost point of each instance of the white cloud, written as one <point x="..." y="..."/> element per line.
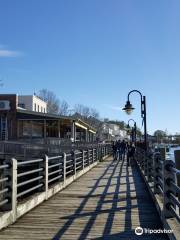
<point x="116" y="108"/>
<point x="9" y="53"/>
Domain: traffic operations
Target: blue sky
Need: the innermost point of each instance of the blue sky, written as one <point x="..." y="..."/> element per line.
<point x="94" y="52"/>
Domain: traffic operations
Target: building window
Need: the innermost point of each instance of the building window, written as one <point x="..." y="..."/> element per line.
<point x="35" y="107"/>
<point x="41" y="109"/>
<point x="38" y="108"/>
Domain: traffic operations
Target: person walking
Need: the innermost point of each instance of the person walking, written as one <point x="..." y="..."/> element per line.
<point x="130" y="154"/>
<point x="123" y="149"/>
<point x="119" y="150"/>
<point x="114" y="148"/>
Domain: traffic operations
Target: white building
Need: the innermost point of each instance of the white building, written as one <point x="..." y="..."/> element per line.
<point x="32" y="103"/>
<point x="113" y="131"/>
<point x="117" y="132"/>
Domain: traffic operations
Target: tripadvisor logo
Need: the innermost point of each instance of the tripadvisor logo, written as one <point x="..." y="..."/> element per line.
<point x="138" y="231"/>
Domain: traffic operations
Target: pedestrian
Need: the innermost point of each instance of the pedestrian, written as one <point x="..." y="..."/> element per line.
<point x="123" y="149"/>
<point x="114" y="148"/>
<point x="119" y="150"/>
<point x="130" y="154"/>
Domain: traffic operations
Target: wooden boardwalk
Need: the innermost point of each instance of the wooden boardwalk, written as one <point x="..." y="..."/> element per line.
<point x="108" y="202"/>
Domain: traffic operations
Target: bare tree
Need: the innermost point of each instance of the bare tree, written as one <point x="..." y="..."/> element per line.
<point x="90" y="115"/>
<point x="51" y="99"/>
<point x="63" y="108"/>
<point x="94" y="113"/>
<point x="78" y="109"/>
<point x="121" y="124"/>
<point x="84" y="111"/>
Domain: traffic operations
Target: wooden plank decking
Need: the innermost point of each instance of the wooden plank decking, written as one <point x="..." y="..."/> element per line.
<point x="108" y="202"/>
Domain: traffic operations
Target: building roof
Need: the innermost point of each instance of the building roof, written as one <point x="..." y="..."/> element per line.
<point x="26" y="114"/>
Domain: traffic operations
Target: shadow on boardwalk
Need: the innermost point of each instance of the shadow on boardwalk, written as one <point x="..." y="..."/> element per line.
<point x="121" y="203"/>
<point x="108" y="202"/>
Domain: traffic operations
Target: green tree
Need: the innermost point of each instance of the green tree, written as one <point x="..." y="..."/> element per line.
<point x="160" y="135"/>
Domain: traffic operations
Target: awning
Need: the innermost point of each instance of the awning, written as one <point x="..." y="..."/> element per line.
<point x="92" y="131"/>
<point x="80" y="125"/>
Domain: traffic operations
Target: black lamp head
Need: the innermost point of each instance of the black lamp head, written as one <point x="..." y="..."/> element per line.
<point x="128" y="108"/>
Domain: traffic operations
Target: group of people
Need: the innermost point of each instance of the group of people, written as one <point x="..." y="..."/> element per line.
<point x="122" y="149"/>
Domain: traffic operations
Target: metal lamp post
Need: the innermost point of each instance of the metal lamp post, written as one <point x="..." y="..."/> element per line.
<point x="133" y="135"/>
<point x="128" y="108"/>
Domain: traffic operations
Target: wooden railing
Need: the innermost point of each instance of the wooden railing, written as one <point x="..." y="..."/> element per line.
<point x="36" y="149"/>
<point x="26" y="183"/>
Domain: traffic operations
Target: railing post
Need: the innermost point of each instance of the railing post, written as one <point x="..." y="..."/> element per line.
<point x="64" y="168"/>
<point x="156" y="159"/>
<point x="177" y="163"/>
<point x="46" y="173"/>
<point x="12" y="185"/>
<point x="74" y="160"/>
<point x="145" y="164"/>
<point x="107" y="147"/>
<point x="141" y="159"/>
<point x="149" y="165"/>
<point x="14" y="188"/>
<point x="92" y="155"/>
<point x="24" y="151"/>
<point x="88" y="157"/>
<point x="110" y="149"/>
<point x="95" y="154"/>
<point x="83" y="155"/>
<point x="98" y="153"/>
<point x="168" y="176"/>
<point x="102" y="153"/>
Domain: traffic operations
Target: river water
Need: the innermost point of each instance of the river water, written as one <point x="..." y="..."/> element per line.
<point x="170" y="154"/>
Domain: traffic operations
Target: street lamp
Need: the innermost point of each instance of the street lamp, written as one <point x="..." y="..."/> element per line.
<point x="128" y="108"/>
<point x="133" y="134"/>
